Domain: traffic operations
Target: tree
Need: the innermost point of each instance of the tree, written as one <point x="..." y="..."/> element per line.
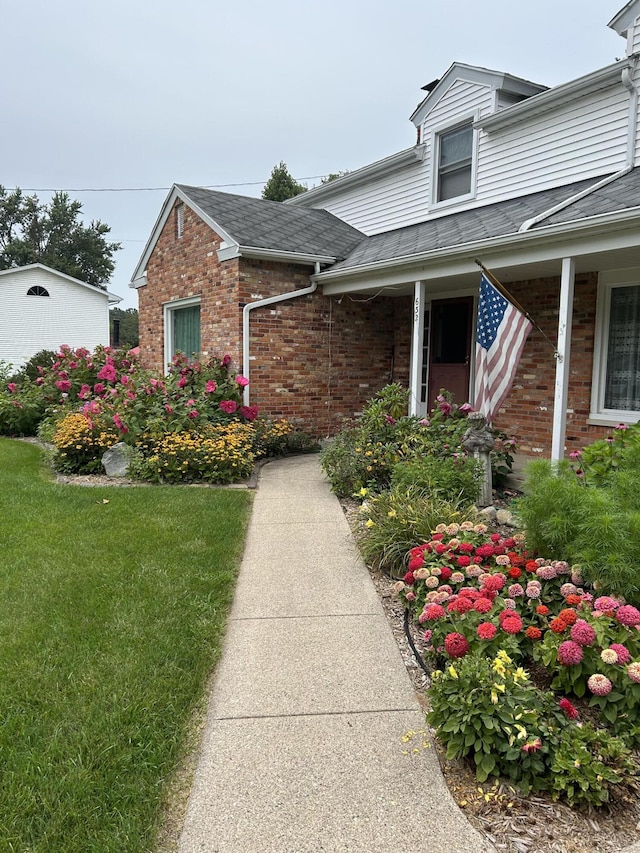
<point x="123" y="325"/>
<point x="281" y="185"/>
<point x="53" y="234"/>
<point x="333" y="176"/>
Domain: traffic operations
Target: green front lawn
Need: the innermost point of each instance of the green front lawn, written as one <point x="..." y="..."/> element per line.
<point x="112" y="606"/>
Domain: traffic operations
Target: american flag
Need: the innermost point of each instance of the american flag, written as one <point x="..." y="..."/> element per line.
<point x="501" y="334"/>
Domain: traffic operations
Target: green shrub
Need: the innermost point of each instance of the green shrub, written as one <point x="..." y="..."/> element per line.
<point x="395" y="520"/>
<point x="365" y="453"/>
<point x="32" y="369"/>
<point x="489" y="711"/>
<point x="455" y="478"/>
<point x="595" y="526"/>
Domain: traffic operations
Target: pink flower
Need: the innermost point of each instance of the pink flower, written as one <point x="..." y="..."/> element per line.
<point x="605" y="603"/>
<point x="226" y="361"/>
<point x="582" y="633"/>
<point x="182" y="381"/>
<point x="486" y="630"/>
<point x="210" y="387"/>
<point x="516" y="590"/>
<point x="456" y="645"/>
<point x="118" y="422"/>
<point x="575" y="454"/>
<point x="570" y="653"/>
<point x="465" y="408"/>
<point x="628" y="615"/>
<point x="633" y="671"/>
<point x="108" y="373"/>
<point x="168" y="409"/>
<point x="228" y="406"/>
<point x="99" y="389"/>
<point x="483" y="605"/>
<point x="599" y="684"/>
<point x="621" y="426"/>
<point x="193" y="413"/>
<point x="532" y="746"/>
<point x="249" y="413"/>
<point x="622" y="652"/>
<point x="12" y="387"/>
<point x="570" y="711"/>
<point x="63" y="385"/>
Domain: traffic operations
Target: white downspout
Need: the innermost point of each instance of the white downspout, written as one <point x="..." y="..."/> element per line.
<point x="262" y="303"/>
<point x="627" y="82"/>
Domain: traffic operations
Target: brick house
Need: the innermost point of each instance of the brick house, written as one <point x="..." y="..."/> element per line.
<point x="373" y="277"/>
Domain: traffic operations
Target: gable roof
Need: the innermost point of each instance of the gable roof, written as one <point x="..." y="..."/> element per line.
<point x="502" y="219"/>
<point x="254" y="227"/>
<point x="473" y="74"/>
<point x="112" y="298"/>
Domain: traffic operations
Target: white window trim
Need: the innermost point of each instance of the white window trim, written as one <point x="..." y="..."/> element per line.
<point x="436" y="133"/>
<point x="598" y="415"/>
<point x="168" y="311"/>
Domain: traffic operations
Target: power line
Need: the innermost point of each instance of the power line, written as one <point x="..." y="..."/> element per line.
<point x="152" y="189"/>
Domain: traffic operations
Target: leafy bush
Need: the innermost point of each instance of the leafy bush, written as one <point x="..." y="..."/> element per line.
<point x="398" y="518"/>
<point x="595" y="526"/>
<point x="489" y="710"/>
<point x="21" y="409"/>
<point x="454" y="478"/>
<point x="30" y="369"/>
<point x="365" y="453"/>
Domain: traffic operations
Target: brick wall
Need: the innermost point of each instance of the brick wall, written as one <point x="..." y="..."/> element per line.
<point x="317" y="359"/>
<point x="185" y="266"/>
<point x="314" y="360"/>
<point x="528" y="410"/>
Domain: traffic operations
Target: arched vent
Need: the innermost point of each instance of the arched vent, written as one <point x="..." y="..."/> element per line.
<point x="37" y="290"/>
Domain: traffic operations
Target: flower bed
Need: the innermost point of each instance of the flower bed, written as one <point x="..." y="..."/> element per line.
<point x="480" y="598"/>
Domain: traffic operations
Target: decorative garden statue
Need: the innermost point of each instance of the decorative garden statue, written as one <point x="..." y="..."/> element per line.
<point x="479" y="440"/>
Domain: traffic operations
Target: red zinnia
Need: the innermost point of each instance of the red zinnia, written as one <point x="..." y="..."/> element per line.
<point x="531" y="566"/>
<point x="569" y="709"/>
<point x="533" y="633"/>
<point x="514" y="573"/>
<point x="483" y="605"/>
<point x="486" y="630"/>
<point x="512" y="623"/>
<point x="573" y="600"/>
<point x="542" y="610"/>
<point x="434" y="611"/>
<point x="416" y="563"/>
<point x="456" y="645"/>
<point x="445" y="573"/>
<point x="568" y="616"/>
<point x="463" y="561"/>
<point x="409" y="578"/>
<point x="558" y="626"/>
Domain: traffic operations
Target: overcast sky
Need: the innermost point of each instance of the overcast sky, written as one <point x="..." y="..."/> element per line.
<point x="139" y="94"/>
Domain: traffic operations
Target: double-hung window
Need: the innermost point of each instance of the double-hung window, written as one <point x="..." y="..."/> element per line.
<point x="616" y="373"/>
<point x="454" y="171"/>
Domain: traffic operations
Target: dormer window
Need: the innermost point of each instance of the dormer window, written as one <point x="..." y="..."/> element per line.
<point x="37" y="290"/>
<point x="455" y="162"/>
<point x="180" y="220"/>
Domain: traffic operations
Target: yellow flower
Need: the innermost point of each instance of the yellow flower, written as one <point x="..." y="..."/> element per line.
<point x="453" y="672"/>
<point x="362" y="492"/>
<point x="494" y="697"/>
<point x="392" y="513"/>
<point x="369" y="523"/>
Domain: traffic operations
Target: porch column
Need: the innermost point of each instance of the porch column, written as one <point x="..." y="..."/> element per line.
<point x="417" y="336"/>
<point x="565" y="316"/>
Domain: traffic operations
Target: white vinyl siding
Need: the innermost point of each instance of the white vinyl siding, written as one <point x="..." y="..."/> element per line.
<point x="71" y="314"/>
<point x="584" y="139"/>
<point x="393" y="201"/>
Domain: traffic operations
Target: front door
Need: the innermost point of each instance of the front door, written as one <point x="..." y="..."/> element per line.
<point x="450" y="348"/>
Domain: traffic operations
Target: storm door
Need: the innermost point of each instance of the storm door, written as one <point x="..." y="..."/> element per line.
<point x="450" y="348"/>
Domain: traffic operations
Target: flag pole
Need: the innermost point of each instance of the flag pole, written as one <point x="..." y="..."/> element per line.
<point x="503" y="290"/>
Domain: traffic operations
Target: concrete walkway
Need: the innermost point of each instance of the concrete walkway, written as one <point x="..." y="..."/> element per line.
<point x="303" y="749"/>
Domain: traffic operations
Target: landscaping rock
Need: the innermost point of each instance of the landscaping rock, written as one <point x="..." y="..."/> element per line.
<point x="116" y="460"/>
<point x="504" y="516"/>
<point x="490" y="513"/>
